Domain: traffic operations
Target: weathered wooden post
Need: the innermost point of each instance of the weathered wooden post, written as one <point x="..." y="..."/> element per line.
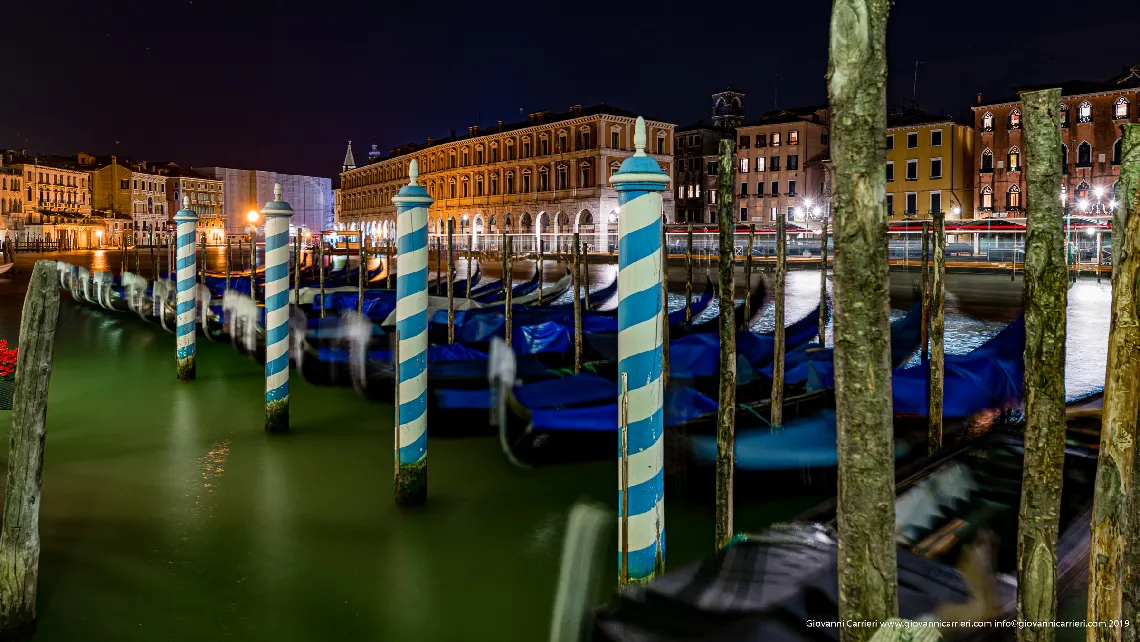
<point x="412" y="204"/>
<point x="925" y="292"/>
<point x="689" y="274"/>
<point x="726" y="412"/>
<point x="360" y="276"/>
<point x="779" y="345"/>
<point x="296" y="269"/>
<point x="469" y="283"/>
<point x="229" y="253"/>
<point x="857" y="75"/>
<point x="823" y="281"/>
<point x="748" y="277"/>
<point x="438" y="266"/>
<point x="321" y="269"/>
<point x="586" y="275"/>
<point x="20" y="535"/>
<point x="665" y="308"/>
<point x="153" y="262"/>
<point x="639" y="184"/>
<point x="253" y="264"/>
<point x="186" y="336"/>
<point x="936" y="366"/>
<point x="138" y="266"/>
<point x="277" y="214"/>
<point x="450" y="288"/>
<point x="576" y="277"/>
<point x="1111" y="557"/>
<point x="540" y="275"/>
<point x="388" y="271"/>
<point x="1046" y="290"/>
<point x="508" y="279"/>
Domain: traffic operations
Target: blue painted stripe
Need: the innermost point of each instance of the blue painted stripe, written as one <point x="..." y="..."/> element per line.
<point x="644" y="496"/>
<point x="413" y="409"/>
<point x="185" y="262"/>
<point x="414" y="240"/>
<point x="412" y="282"/>
<point x="412" y="326"/>
<point x="279" y="333"/>
<point x="185" y="285"/>
<point x="642" y="367"/>
<point x="185" y="306"/>
<point x="646" y="432"/>
<point x="278" y="393"/>
<point x="187" y="239"/>
<point x="643" y="563"/>
<point x="414" y="451"/>
<point x="413" y="367"/>
<point x="277" y="272"/>
<point x="276" y="241"/>
<point x="186" y="351"/>
<point x="277" y="301"/>
<point x="639" y="306"/>
<point x="274" y="366"/>
<point x="186" y="328"/>
<point x="638" y="244"/>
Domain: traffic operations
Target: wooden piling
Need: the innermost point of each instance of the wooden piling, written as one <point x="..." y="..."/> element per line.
<point x="823" y="282"/>
<point x="296" y="269"/>
<point x="450" y="289"/>
<point x="540" y="243"/>
<point x="857" y="74"/>
<point x="438" y="266"/>
<point x="576" y="283"/>
<point x="586" y="275"/>
<point x="138" y="265"/>
<point x="1122" y="219"/>
<point x="935" y="365"/>
<point x="470" y="285"/>
<point x="359" y="276"/>
<point x="387" y="267"/>
<point x="925" y="292"/>
<point x="779" y="345"/>
<point x="153" y="262"/>
<point x="321" y="269"/>
<point x="1046" y="291"/>
<point x="726" y="409"/>
<point x="689" y="274"/>
<point x="253" y="267"/>
<point x="664" y="310"/>
<point x="229" y="252"/>
<point x="508" y="281"/>
<point x="19" y="535"/>
<point x="748" y="277"/>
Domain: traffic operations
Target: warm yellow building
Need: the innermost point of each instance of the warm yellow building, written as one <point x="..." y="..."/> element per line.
<point x="930" y="166"/>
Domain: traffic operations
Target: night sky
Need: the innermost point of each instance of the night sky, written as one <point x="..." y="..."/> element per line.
<point x="283" y="85"/>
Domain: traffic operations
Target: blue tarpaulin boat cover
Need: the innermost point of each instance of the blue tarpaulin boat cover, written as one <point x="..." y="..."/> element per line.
<point x="681" y="404"/>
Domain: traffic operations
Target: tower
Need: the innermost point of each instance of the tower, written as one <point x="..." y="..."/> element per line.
<point x="349" y="162"/>
<point x="729" y="108"/>
<point x="374" y="155"/>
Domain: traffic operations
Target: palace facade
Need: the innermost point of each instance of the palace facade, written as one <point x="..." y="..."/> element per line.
<point x="549" y="174"/>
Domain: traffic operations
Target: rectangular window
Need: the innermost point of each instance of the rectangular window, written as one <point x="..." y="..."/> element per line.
<point x="987" y="200"/>
<point x="775" y="188"/>
<point x="712" y="168"/>
<point x="794" y="137"/>
<point x="911" y="140"/>
<point x="824" y="137"/>
<point x="912" y="170"/>
<point x="772" y="214"/>
<point x="890" y="205"/>
<point x="712" y="196"/>
<point x="744" y="190"/>
<point x="614" y="140"/>
<point x="794" y="162"/>
<point x="936" y="168"/>
<point x="761" y="140"/>
<point x="774" y="164"/>
<point x="936" y="201"/>
<point x="936" y="138"/>
<point x="791" y="188"/>
<point x="760" y="163"/>
<point x="744" y="213"/>
<point x="890" y="171"/>
<point x="776" y="140"/>
<point x="743" y="165"/>
<point x="890" y="142"/>
<point x="743" y="144"/>
<point x="912" y="203"/>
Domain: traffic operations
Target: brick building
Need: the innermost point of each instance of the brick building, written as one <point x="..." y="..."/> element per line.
<point x="696" y="157"/>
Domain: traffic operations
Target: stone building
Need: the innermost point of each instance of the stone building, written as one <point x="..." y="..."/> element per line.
<point x="207" y="200"/>
<point x="311" y="197"/>
<point x="930" y="166"/>
<point x="696" y="157"/>
<point x="1091" y="114"/>
<point x="549" y="174"/>
<point x="782" y="167"/>
<point x="52" y="200"/>
<point x="136" y="189"/>
<point x="11" y="193"/>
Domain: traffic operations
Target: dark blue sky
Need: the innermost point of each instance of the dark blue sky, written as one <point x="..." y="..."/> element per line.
<point x="284" y="84"/>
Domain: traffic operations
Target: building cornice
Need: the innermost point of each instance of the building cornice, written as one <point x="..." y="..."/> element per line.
<point x="1094" y="94"/>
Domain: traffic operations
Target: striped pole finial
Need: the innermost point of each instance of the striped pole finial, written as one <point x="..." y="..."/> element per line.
<point x="412" y="204"/>
<point x="277" y="214"/>
<point x="186" y="298"/>
<point x="639" y="184"/>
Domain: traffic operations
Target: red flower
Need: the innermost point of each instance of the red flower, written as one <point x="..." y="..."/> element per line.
<point x="7" y="361"/>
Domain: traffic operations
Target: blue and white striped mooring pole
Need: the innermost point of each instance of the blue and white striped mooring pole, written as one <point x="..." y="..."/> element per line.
<point x="186" y="275"/>
<point x="412" y="204"/>
<point x="639" y="184"/>
<point x="276" y="213"/>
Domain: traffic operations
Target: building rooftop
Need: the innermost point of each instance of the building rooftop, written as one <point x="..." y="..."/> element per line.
<point x="781" y="116"/>
<point x="910" y="117"/>
<point x="1129" y="78"/>
<point x="701" y="125"/>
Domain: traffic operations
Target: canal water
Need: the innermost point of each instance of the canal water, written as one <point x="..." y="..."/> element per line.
<point x="168" y="514"/>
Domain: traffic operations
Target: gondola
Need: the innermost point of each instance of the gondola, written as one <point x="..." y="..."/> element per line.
<point x="956" y="530"/>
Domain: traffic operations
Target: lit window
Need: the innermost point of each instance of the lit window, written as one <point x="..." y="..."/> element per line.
<point x="1082" y="191"/>
<point x="775" y="140"/>
<point x="1013" y="198"/>
<point x="987" y="198"/>
<point x="1064" y="115"/>
<point x="1014" y="159"/>
<point x="759" y="163"/>
<point x="794" y="136"/>
<point x="987" y="122"/>
<point x="1120" y="109"/>
<point x="743" y="165"/>
<point x="1015" y="119"/>
<point x="1084" y="112"/>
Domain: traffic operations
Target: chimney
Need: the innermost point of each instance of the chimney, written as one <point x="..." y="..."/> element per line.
<point x="500" y="125"/>
<point x="576" y="110"/>
<point x="474" y="130"/>
<point x="979" y="97"/>
<point x="430" y="140"/>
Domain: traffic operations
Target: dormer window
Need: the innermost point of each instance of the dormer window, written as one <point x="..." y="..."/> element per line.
<point x="1084" y="112"/>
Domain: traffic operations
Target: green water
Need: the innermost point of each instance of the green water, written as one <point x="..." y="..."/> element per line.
<point x="168" y="514"/>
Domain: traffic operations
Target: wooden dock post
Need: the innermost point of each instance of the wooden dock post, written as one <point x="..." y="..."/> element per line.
<point x="576" y="279"/>
<point x="321" y="269"/>
<point x="540" y="275"/>
<point x="779" y="345"/>
<point x="748" y="277"/>
<point x="726" y="408"/>
<point x="360" y="272"/>
<point x="186" y="336"/>
<point x="925" y="292"/>
<point x="138" y="265"/>
<point x="450" y="288"/>
<point x="1114" y="585"/>
<point x="296" y="269"/>
<point x="229" y="255"/>
<point x="665" y="308"/>
<point x="153" y="262"/>
<point x="689" y="274"/>
<point x="277" y="214"/>
<point x="857" y="74"/>
<point x="253" y="265"/>
<point x="470" y="285"/>
<point x="20" y="534"/>
<point x="823" y="281"/>
<point x="412" y="203"/>
<point x="1046" y="292"/>
<point x="936" y="365"/>
<point x="639" y="184"/>
<point x="388" y="271"/>
<point x="438" y="266"/>
<point x="508" y="279"/>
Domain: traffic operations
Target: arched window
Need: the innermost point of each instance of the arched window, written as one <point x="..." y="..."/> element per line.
<point x="1013" y="198"/>
<point x="987" y="198"/>
<point x="987" y="161"/>
<point x="1082" y="192"/>
<point x="987" y="122"/>
<point x="1015" y="119"/>
<point x="1064" y="115"/>
<point x="1084" y="154"/>
<point x="1064" y="194"/>
<point x="1084" y="112"/>
<point x="1120" y="109"/>
<point x="1117" y="151"/>
<point x="1064" y="158"/>
<point x="1014" y="159"/>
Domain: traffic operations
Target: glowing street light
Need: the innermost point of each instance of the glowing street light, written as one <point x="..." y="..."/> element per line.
<point x="1083" y="205"/>
<point x="955" y="211"/>
<point x="252" y="217"/>
<point x="1099" y="192"/>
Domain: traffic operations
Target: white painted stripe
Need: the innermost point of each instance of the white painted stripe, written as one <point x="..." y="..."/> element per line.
<point x="276" y="380"/>
<point x="412" y="431"/>
<point x="414" y="261"/>
<point x="638" y="213"/>
<point x="413" y="388"/>
<point x="644" y="401"/>
<point x="274" y="318"/>
<point x="640" y="337"/>
<point x="274" y="350"/>
<point x="412" y="346"/>
<point x="277" y="286"/>
<point x="644" y="465"/>
<point x="643" y="531"/>
<point x="411" y="220"/>
<point x="640" y="275"/>
<point x="411" y="305"/>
